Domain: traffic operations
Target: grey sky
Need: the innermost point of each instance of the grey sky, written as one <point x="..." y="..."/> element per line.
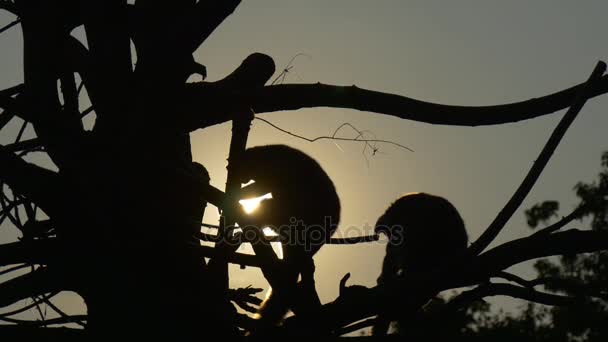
<point x="452" y="52"/>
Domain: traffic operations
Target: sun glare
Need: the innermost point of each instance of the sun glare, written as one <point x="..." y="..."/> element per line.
<point x="250" y="205"/>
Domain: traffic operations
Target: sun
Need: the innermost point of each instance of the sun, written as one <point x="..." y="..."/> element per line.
<point x="250" y="205"/>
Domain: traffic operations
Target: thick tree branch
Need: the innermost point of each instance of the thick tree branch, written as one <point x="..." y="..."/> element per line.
<point x="38" y="184"/>
<point x="35" y="302"/>
<point x="35" y="324"/>
<point x="31" y="252"/>
<point x="571" y="241"/>
<point x="23" y="145"/>
<point x="11" y="91"/>
<point x="206" y="17"/>
<point x="356" y="302"/>
<point x="28" y="333"/>
<point x="297" y="96"/>
<point x="526" y="185"/>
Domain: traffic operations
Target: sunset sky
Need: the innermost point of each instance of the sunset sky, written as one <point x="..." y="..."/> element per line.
<point x="450" y="52"/>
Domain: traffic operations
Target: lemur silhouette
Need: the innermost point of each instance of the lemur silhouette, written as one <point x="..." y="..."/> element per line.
<point x="304" y="210"/>
<point x="424" y="232"/>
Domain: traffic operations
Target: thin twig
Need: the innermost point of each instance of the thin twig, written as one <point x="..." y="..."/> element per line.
<point x="14" y="268"/>
<point x="29" y="306"/>
<point x="9" y="25"/>
<point x="287" y="69"/>
<point x="330" y="137"/>
<point x="357" y="326"/>
<point x="48" y="302"/>
<point x="560" y="224"/>
<point x="86" y="112"/>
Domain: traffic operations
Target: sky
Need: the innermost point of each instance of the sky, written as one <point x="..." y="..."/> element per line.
<point x="450" y="52"/>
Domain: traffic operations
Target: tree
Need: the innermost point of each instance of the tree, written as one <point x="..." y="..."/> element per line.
<point x="582" y="276"/>
<point x="131" y="267"/>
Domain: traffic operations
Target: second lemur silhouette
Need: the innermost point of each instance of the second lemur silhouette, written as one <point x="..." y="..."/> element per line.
<point x="425" y="231"/>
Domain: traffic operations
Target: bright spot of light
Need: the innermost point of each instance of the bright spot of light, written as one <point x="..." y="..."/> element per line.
<point x="250" y="205"/>
<point x="269" y="232"/>
<point x="276" y="246"/>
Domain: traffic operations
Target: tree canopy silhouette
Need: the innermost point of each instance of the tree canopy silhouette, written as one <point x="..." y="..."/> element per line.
<point x="119" y="220"/>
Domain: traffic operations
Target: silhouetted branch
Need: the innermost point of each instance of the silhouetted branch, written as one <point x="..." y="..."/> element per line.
<point x="11" y="91"/>
<point x="297" y="96"/>
<point x="571" y="241"/>
<point x="30" y="333"/>
<point x="490" y="290"/>
<point x="522" y="191"/>
<point x="513" y="278"/>
<point x="357" y="302"/>
<point x="561" y="223"/>
<point x="73" y="319"/>
<point x="36" y="302"/>
<point x="357" y="326"/>
<point x="206" y="17"/>
<point x="353" y="240"/>
<point x="36" y="283"/>
<point x="571" y="285"/>
<point x="8" y="26"/>
<point x="332" y="137"/>
<point x="30" y="252"/>
<point x="14" y="268"/>
<point x="37" y="184"/>
<point x="29" y="144"/>
<point x="42" y="323"/>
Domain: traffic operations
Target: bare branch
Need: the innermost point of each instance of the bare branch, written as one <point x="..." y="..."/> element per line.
<point x="561" y="223"/>
<point x="10" y="25"/>
<point x="206" y="17"/>
<point x="526" y="185"/>
<point x="357" y="326"/>
<point x="570" y="285"/>
<point x="297" y="96"/>
<point x="11" y="91"/>
<point x="36" y="283"/>
<point x="29" y="144"/>
<point x="38" y="184"/>
<point x="353" y="240"/>
<point x="17" y="332"/>
<point x="35" y="303"/>
<point x="59" y="320"/>
<point x="516" y="251"/>
<point x="332" y="137"/>
<point x="490" y="290"/>
<point x="29" y="252"/>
